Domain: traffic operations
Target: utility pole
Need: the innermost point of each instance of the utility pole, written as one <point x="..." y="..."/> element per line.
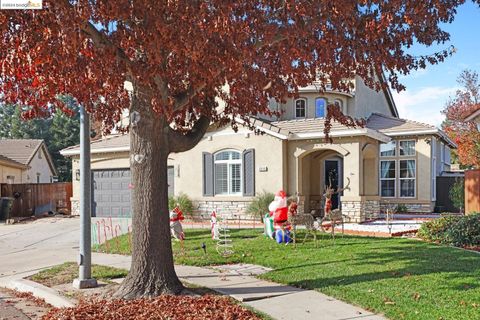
<point x="85" y="259"/>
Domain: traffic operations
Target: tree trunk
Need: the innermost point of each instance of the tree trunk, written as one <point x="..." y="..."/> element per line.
<point x="152" y="270"/>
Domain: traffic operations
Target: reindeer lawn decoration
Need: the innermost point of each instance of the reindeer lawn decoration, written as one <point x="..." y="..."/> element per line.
<point x="296" y="219"/>
<point x="335" y="215"/>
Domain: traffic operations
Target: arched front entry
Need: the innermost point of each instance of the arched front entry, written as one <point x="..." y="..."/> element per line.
<point x="317" y="168"/>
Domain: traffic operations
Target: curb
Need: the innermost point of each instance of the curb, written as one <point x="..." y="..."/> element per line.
<point x="50" y="295"/>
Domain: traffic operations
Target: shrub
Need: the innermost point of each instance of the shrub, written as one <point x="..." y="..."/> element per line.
<point x="457" y="194"/>
<point x="461" y="231"/>
<point x="466" y="232"/>
<point x="401" y="208"/>
<point x="435" y="230"/>
<point x="259" y="206"/>
<point x="184" y="201"/>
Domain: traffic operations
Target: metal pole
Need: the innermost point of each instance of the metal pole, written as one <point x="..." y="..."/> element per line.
<point x="85" y="259"/>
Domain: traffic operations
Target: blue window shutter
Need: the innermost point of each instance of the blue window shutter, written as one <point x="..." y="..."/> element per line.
<point x="207" y="174"/>
<point x="249" y="172"/>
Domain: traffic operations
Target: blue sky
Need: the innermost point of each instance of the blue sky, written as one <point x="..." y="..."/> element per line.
<point x="428" y="90"/>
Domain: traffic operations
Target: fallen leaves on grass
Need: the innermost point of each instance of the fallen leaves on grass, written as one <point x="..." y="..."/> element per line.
<point x="163" y="307"/>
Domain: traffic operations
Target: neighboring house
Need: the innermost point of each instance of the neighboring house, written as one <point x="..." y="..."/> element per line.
<point x="390" y="161"/>
<point x="475" y="116"/>
<point x="25" y="161"/>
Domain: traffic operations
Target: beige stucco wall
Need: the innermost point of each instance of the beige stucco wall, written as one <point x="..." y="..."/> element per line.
<point x="38" y="166"/>
<point x="268" y="153"/>
<point x="10" y="171"/>
<point x="289" y="107"/>
<point x="368" y="101"/>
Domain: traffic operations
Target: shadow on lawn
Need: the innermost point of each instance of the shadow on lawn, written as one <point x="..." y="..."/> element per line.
<point x="415" y="260"/>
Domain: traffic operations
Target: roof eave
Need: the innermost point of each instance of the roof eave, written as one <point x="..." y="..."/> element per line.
<point x="473" y="116"/>
<point x="75" y="152"/>
<point x="436" y="132"/>
<point x="344" y="133"/>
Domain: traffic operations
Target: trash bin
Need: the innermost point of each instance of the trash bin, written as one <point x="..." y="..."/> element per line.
<point x="5" y="207"/>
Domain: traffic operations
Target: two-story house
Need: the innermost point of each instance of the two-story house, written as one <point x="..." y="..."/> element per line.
<point x="388" y="162"/>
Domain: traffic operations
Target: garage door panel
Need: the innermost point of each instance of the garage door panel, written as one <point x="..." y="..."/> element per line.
<point x="112" y="194"/>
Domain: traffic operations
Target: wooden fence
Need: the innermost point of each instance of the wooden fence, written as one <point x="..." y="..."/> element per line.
<point x="30" y="196"/>
<point x="472" y="191"/>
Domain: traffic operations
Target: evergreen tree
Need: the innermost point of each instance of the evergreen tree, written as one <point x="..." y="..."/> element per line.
<point x="59" y="131"/>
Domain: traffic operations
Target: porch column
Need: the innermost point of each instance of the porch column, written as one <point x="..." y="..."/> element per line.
<point x="352" y="200"/>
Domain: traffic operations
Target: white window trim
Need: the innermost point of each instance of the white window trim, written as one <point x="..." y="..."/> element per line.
<point x="409" y="155"/>
<point x="295" y="108"/>
<point x="395" y="150"/>
<point x="342" y="105"/>
<point x="388" y="179"/>
<point x="442" y="153"/>
<point x="414" y="180"/>
<point x="229" y="173"/>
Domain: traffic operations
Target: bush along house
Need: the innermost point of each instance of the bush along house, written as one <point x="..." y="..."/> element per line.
<point x="389" y="162"/>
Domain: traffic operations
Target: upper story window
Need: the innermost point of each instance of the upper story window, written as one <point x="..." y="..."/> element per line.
<point x="228" y="172"/>
<point x="300" y="108"/>
<point x="388" y="149"/>
<point x="39" y="154"/>
<point x="320" y="108"/>
<point x="407" y="148"/>
<point x="339" y="103"/>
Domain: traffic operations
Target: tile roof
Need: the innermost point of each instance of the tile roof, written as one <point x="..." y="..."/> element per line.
<point x="19" y="150"/>
<point x="308" y="125"/>
<point x="121" y="141"/>
<point x="379" y="126"/>
<point x="390" y="125"/>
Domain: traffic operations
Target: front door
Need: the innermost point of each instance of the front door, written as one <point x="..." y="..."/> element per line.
<point x="332" y="169"/>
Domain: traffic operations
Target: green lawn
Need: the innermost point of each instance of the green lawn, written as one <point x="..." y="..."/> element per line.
<point x="66" y="272"/>
<point x="402" y="278"/>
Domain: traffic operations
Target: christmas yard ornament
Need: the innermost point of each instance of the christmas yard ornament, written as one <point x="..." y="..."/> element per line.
<point x="214" y="226"/>
<point x="269" y="230"/>
<point x="279" y="209"/>
<point x="176" y="215"/>
<point x="224" y="244"/>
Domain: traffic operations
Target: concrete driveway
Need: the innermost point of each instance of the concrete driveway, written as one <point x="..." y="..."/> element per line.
<point x="25" y="248"/>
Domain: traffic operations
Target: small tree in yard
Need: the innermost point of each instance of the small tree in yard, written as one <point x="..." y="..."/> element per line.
<point x="465" y="134"/>
<point x="457" y="194"/>
<point x="181" y="57"/>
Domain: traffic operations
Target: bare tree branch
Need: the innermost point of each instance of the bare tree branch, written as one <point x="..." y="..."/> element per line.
<point x="182" y="142"/>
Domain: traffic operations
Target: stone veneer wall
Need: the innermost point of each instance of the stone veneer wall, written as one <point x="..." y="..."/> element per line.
<point x="353" y="210"/>
<point x="411" y="207"/>
<point x="205" y="208"/>
<point x="372" y="209"/>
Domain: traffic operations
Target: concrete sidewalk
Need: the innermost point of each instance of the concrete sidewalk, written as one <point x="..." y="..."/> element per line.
<point x="278" y="301"/>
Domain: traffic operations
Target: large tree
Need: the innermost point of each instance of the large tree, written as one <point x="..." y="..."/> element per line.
<point x="181" y="57"/>
<point x="465" y="134"/>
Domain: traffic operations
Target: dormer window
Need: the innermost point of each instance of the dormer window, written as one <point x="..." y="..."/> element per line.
<point x="320" y="108"/>
<point x="300" y="108"/>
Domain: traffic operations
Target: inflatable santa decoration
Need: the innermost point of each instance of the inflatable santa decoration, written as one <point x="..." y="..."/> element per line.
<point x="176" y="215"/>
<point x="279" y="210"/>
